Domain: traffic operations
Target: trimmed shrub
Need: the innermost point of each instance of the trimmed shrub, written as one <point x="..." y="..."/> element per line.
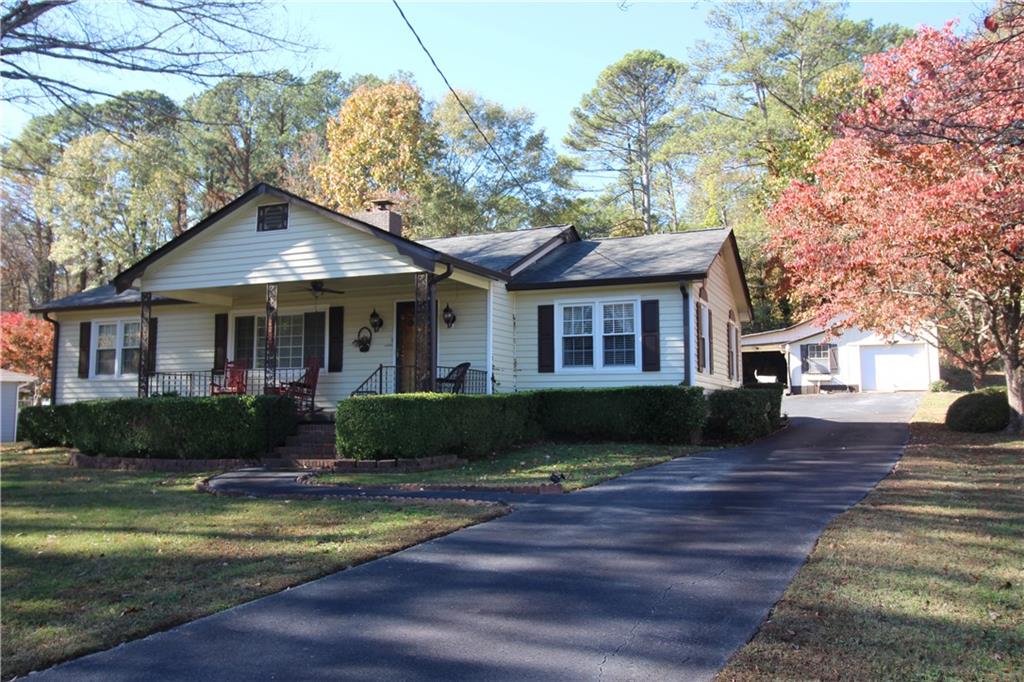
<point x="653" y="414"/>
<point x="938" y="386"/>
<point x="776" y="390"/>
<point x="740" y="415"/>
<point x="44" y="425"/>
<point x="979" y="412"/>
<point x="166" y="427"/>
<point x="428" y="424"/>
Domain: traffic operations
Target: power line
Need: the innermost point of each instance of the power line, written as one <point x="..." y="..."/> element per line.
<point x="505" y="166"/>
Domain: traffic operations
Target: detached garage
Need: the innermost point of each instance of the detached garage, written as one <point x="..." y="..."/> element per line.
<point x="854" y="360"/>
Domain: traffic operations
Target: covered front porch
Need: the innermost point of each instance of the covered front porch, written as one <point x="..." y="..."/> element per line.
<point x="342" y="337"/>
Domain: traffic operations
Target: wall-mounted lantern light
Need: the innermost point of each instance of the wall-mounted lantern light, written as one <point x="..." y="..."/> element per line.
<point x="376" y="321"/>
<point x="448" y="315"/>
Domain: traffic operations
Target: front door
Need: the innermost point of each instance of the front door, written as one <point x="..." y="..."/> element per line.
<point x="405" y="347"/>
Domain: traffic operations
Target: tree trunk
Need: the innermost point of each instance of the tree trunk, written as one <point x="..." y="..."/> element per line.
<point x="1015" y="392"/>
<point x="977" y="376"/>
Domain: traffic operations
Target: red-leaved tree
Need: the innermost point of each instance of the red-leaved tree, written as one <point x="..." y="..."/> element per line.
<point x="916" y="214"/>
<point x="26" y="347"/>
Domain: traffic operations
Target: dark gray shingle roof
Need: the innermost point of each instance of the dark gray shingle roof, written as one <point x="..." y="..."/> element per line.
<point x="105" y="296"/>
<point x="657" y="256"/>
<point x="496" y="250"/>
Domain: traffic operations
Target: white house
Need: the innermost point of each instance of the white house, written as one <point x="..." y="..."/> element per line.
<point x="809" y="360"/>
<point x="10" y="384"/>
<point x="274" y="282"/>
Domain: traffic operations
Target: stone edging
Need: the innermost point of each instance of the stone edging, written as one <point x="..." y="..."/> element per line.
<point x="82" y="461"/>
<point x="205" y="487"/>
<point x="539" y="489"/>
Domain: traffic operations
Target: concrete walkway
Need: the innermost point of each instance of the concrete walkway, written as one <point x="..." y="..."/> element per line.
<point x="660" y="575"/>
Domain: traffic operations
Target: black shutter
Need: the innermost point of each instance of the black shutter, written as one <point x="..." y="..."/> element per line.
<point x="804" y="362"/>
<point x="220" y="340"/>
<point x="711" y="343"/>
<point x="728" y="348"/>
<point x="152" y="345"/>
<point x="313" y="338"/>
<point x="699" y="310"/>
<point x="245" y="339"/>
<point x="650" y="342"/>
<point x="335" y="338"/>
<point x="84" y="347"/>
<point x="833" y="358"/>
<point x="545" y="338"/>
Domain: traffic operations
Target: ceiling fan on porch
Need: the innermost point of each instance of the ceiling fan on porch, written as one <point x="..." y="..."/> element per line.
<point x="317" y="288"/>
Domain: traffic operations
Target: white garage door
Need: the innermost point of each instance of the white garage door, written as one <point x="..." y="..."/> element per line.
<point x="901" y="367"/>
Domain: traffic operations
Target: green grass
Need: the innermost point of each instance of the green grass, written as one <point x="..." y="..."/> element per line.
<point x="583" y="465"/>
<point x="923" y="580"/>
<point x="93" y="558"/>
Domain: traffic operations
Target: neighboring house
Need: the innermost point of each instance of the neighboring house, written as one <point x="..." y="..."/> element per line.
<point x="528" y="309"/>
<point x="10" y="385"/>
<point x="805" y="360"/>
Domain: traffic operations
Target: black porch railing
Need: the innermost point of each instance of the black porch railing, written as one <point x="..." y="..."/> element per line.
<point x="387" y="379"/>
<point x="198" y="384"/>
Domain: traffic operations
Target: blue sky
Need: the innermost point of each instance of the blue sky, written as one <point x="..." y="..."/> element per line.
<point x="542" y="56"/>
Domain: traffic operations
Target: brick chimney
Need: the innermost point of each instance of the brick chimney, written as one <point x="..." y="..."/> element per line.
<point x="382" y="216"/>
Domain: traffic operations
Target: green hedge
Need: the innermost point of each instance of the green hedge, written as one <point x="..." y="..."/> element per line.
<point x="740" y="415"/>
<point x="164" y="427"/>
<point x="427" y="424"/>
<point x="776" y="390"/>
<point x="654" y="414"/>
<point x="981" y="411"/>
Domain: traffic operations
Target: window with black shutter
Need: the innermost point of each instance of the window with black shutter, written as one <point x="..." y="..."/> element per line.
<point x="272" y="217"/>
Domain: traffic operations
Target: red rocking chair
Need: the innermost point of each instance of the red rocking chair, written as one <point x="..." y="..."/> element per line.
<point x="302" y="391"/>
<point x="234" y="380"/>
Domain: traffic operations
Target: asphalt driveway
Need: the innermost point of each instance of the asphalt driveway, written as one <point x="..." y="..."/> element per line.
<point x="659" y="575"/>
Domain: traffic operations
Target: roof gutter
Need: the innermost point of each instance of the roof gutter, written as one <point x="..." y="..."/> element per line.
<point x="611" y="281"/>
<point x="53" y="361"/>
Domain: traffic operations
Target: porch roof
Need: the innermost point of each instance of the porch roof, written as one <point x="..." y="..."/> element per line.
<point x="105" y="296"/>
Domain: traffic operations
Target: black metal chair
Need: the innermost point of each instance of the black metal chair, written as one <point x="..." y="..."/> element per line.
<point x="455" y="380"/>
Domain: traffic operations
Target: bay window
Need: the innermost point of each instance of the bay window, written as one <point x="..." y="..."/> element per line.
<point x="598" y="334"/>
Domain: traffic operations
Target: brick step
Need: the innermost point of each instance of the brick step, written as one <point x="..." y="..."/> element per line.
<point x="310" y="439"/>
<point x="306" y="451"/>
<point x="316" y="428"/>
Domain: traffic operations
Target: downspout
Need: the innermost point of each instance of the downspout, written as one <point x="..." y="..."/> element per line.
<point x="53" y="361"/>
<point x="687" y="377"/>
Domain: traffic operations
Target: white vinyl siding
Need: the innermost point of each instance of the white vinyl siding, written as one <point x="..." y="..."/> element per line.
<point x="233" y="253"/>
<point x="673" y="354"/>
<point x="721" y="300"/>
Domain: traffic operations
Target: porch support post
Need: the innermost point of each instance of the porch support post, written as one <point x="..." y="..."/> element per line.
<point x="425" y="312"/>
<point x="270" y="343"/>
<point x="145" y="362"/>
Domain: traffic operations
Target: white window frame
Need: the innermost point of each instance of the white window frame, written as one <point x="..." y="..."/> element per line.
<point x="597" y="305"/>
<point x="811" y="369"/>
<point x="94" y="341"/>
<point x="703" y="309"/>
<point x="262" y="312"/>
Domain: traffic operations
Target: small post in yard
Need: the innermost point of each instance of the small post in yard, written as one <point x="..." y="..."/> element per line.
<point x="145" y="362"/>
<point x="424" y="313"/>
<point x="270" y="342"/>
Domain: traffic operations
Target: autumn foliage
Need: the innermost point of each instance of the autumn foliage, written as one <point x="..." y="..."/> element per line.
<point x="26" y="346"/>
<point x="916" y="211"/>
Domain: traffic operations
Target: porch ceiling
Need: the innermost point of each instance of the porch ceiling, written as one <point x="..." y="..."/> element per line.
<point x="295" y="291"/>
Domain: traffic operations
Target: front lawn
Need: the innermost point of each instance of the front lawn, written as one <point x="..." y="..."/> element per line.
<point x="583" y="465"/>
<point x="93" y="558"/>
<point x="924" y="579"/>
